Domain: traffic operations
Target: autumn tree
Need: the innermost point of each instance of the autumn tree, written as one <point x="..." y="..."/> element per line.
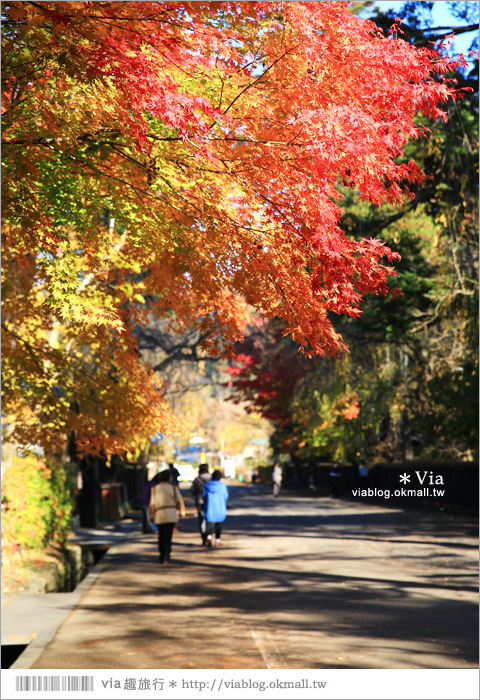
<point x="409" y="384"/>
<point x="182" y="161"/>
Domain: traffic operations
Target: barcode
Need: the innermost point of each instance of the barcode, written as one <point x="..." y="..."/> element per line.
<point x="51" y="683"/>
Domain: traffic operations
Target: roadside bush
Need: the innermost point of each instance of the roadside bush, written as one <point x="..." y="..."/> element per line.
<point x="37" y="503"/>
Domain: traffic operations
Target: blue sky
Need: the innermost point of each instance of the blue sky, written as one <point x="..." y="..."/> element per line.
<point x="441" y="17"/>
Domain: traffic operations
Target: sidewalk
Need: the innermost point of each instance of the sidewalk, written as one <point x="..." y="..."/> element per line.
<point x="32" y="619"/>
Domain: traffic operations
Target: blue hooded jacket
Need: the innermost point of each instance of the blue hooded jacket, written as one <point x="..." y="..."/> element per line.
<point x="215" y="496"/>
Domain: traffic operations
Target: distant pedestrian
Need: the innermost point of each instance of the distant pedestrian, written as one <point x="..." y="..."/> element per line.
<point x="277" y="479"/>
<point x="334" y="477"/>
<point x="175" y="474"/>
<point x="215" y="496"/>
<point x="198" y="484"/>
<point x="144" y="502"/>
<point x="363" y="471"/>
<point x="166" y="504"/>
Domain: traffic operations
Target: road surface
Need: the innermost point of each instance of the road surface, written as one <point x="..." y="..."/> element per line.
<point x="301" y="582"/>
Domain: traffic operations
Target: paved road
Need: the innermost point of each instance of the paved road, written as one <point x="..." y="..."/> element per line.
<point x="301" y="582"/>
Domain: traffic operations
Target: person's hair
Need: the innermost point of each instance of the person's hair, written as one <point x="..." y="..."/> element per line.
<point x="164" y="476"/>
<point x="203" y="469"/>
<point x="217" y="475"/>
<point x="171" y="465"/>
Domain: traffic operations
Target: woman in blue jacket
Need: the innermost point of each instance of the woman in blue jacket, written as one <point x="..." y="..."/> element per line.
<point x="215" y="496"/>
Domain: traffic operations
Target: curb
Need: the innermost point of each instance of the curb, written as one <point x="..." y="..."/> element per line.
<point x="40" y="641"/>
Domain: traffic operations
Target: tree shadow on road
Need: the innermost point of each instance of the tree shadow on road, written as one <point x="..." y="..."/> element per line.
<point x="405" y="596"/>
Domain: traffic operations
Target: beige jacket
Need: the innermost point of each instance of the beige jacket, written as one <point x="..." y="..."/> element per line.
<point x="165" y="501"/>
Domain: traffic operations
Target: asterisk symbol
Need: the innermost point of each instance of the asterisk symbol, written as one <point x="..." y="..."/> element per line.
<point x="404" y="478"/>
<point x="173" y="684"/>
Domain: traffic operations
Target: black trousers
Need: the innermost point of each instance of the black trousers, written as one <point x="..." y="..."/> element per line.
<point x="202" y="523"/>
<point x="165" y="533"/>
<point x="214" y="526"/>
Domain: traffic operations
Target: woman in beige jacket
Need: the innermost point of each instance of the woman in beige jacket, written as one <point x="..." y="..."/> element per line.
<point x="166" y="504"/>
